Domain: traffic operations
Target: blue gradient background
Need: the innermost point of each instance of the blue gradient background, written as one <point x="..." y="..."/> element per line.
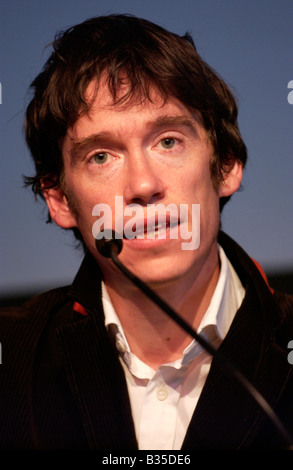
<point x="248" y="42"/>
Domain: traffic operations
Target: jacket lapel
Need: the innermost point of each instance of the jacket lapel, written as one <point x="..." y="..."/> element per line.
<point x="226" y="415"/>
<point x="94" y="372"/>
<point x="98" y="385"/>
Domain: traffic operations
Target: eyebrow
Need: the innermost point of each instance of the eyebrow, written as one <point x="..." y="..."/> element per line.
<point x="83" y="145"/>
<point x="167" y="121"/>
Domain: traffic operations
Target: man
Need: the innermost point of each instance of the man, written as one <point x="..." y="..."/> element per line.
<point x="126" y="116"/>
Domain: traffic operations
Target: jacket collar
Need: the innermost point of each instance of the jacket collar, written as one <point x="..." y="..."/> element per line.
<point x="249" y="344"/>
<point x="86" y="287"/>
<point x="94" y="372"/>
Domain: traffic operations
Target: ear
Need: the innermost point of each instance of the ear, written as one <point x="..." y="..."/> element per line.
<point x="58" y="207"/>
<point x="231" y="180"/>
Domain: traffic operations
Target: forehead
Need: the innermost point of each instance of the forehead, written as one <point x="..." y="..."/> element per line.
<point x="104" y="109"/>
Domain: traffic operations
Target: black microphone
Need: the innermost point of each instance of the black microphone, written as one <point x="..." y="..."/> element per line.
<point x="109" y="245"/>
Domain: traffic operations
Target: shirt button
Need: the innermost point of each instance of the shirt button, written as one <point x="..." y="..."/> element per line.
<point x="120" y="345"/>
<point x="162" y="393"/>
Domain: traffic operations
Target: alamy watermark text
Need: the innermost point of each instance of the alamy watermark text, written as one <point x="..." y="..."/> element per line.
<point x="155" y="221"/>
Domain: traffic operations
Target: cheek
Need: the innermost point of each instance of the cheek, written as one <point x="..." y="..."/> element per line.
<point x="199" y="189"/>
<point x="197" y="183"/>
<point x="81" y="193"/>
<point x="80" y="204"/>
<point x="85" y="199"/>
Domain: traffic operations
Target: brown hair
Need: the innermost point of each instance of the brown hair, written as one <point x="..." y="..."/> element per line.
<point x="150" y="56"/>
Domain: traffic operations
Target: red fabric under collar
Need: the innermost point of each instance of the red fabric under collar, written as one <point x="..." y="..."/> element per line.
<point x="80" y="309"/>
<point x="263" y="274"/>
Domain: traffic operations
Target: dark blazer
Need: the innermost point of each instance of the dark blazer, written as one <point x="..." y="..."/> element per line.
<point x="62" y="385"/>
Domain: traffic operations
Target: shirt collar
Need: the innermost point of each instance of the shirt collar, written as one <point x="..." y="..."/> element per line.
<point x="214" y="326"/>
<point x="226" y="299"/>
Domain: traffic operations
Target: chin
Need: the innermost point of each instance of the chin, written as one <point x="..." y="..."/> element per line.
<point x="156" y="271"/>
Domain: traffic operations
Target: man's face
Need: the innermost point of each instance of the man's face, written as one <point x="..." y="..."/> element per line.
<point x="146" y="153"/>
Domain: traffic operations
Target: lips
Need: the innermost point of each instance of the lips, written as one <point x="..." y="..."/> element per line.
<point x="150" y="227"/>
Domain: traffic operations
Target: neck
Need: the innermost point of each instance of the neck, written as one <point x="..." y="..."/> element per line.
<point x="152" y="335"/>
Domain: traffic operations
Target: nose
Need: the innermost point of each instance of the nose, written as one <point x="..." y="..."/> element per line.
<point x="143" y="181"/>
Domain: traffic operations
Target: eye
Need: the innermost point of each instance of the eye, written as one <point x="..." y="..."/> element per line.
<point x="100" y="158"/>
<point x="167" y="143"/>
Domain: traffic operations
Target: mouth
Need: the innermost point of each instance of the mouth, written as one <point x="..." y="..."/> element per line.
<point x="150" y="229"/>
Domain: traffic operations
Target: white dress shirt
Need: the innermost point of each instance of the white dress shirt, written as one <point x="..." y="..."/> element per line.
<point x="164" y="400"/>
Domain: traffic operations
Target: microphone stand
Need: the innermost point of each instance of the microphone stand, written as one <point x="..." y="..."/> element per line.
<point x="110" y="248"/>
